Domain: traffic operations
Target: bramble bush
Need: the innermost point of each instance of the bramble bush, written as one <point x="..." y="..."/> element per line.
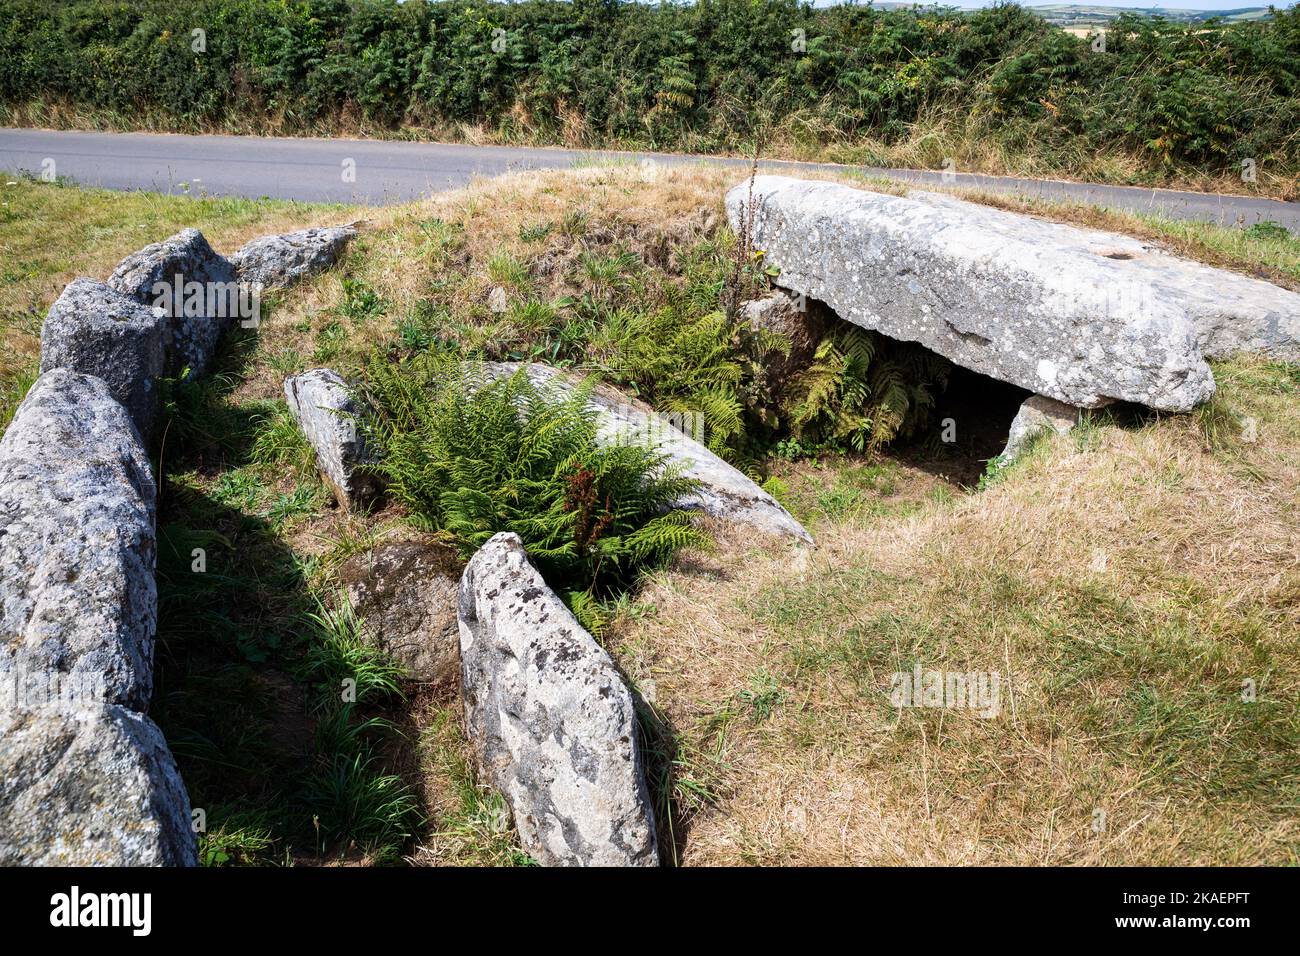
<point x="712" y="75"/>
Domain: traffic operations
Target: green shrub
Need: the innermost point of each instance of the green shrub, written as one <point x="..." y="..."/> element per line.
<point x="474" y="456"/>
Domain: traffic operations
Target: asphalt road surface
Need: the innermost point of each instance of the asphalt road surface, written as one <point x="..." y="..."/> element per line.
<point x="377" y="172"/>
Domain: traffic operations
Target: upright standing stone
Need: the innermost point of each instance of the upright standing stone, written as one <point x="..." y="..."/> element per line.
<point x="201" y="296"/>
<point x="98" y="331"/>
<point x="327" y="414"/>
<point x="1038" y="414"/>
<point x="801" y="320"/>
<point x="551" y="723"/>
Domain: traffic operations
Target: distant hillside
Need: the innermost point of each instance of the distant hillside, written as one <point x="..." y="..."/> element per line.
<point x="1068" y="14"/>
<point x="1065" y="14"/>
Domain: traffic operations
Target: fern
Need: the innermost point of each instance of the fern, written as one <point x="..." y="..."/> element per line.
<point x="863" y="390"/>
<point x="473" y="456"/>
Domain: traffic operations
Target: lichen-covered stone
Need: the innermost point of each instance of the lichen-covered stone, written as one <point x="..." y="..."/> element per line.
<point x="77" y="546"/>
<point x="551" y="723"/>
<point x="90" y="786"/>
<point x="1231" y="313"/>
<point x="93" y="329"/>
<point x="1038" y="414"/>
<point x="1074" y="314"/>
<point x="405" y="594"/>
<point x="275" y="262"/>
<point x="326" y="412"/>
<point x="723" y="493"/>
<point x="798" y="319"/>
<point x="188" y="259"/>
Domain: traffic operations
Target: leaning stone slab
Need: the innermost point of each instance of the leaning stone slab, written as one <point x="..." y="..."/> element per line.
<point x="1056" y="309"/>
<point x="276" y="262"/>
<point x="724" y="492"/>
<point x="90" y="786"/>
<point x="325" y="410"/>
<point x="1038" y="414"/>
<point x="98" y="331"/>
<point x="77" y="546"/>
<point x="551" y="723"/>
<point x="201" y="299"/>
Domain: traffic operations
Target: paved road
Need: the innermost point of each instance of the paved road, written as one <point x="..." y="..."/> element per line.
<point x="385" y="172"/>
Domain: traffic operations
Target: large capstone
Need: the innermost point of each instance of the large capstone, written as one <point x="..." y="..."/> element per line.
<point x="89" y="785"/>
<point x="275" y="262"/>
<point x="1074" y="314"/>
<point x="327" y="414"/>
<point x="96" y="330"/>
<point x="724" y="492"/>
<point x="1231" y="313"/>
<point x="195" y="286"/>
<point x="77" y="546"/>
<point x="550" y="721"/>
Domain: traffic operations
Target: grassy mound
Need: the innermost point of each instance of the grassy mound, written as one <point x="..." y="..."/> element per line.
<point x="1134" y="585"/>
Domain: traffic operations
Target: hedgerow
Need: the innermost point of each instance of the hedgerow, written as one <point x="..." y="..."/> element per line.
<point x="712" y="75"/>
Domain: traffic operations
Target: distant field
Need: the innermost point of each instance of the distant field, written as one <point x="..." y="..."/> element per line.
<point x="1070" y="14"/>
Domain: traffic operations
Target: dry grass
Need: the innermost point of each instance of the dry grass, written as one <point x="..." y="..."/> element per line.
<point x="1123" y="582"/>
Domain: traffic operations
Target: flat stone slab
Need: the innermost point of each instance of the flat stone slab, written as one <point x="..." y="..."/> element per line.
<point x="551" y="723"/>
<point x="1231" y="313"/>
<point x="724" y="491"/>
<point x="77" y="545"/>
<point x="93" y="329"/>
<point x="326" y="412"/>
<point x="1074" y="314"/>
<point x="92" y="786"/>
<point x="276" y="262"/>
<point x="183" y="261"/>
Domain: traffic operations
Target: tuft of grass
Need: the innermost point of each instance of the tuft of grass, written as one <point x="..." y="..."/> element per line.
<point x="470" y="824"/>
<point x="343" y="664"/>
<point x="354" y="804"/>
<point x="279" y="444"/>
